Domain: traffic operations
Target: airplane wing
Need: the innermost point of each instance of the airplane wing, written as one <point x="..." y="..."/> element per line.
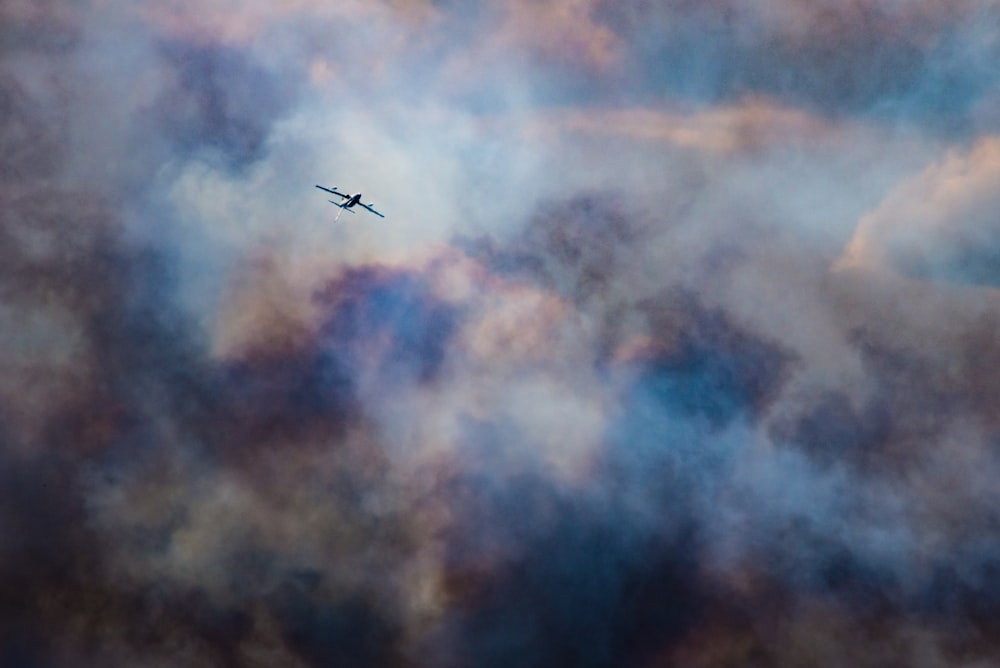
<point x="369" y="207"/>
<point x="334" y="191"/>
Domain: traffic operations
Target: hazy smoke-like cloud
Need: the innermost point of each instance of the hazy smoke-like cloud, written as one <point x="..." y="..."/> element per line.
<point x="676" y="347"/>
<point x="939" y="224"/>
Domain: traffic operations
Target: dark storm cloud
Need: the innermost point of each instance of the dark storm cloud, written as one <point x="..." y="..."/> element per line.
<point x="394" y="311"/>
<point x="570" y="247"/>
<point x="580" y="587"/>
<point x="29" y="148"/>
<point x="220" y="102"/>
<point x="46" y="26"/>
<point x="65" y="334"/>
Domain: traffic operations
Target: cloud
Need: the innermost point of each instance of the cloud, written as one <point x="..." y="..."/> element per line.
<point x="938" y="225"/>
<point x="914" y="60"/>
<point x="737" y="128"/>
<point x="675" y="346"/>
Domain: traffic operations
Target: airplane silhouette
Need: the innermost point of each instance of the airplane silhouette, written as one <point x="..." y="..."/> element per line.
<point x="348" y="201"/>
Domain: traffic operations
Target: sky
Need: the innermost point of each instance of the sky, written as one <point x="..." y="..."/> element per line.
<point x="677" y="345"/>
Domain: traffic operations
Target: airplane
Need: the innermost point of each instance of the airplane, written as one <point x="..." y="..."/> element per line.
<point x="351" y="200"/>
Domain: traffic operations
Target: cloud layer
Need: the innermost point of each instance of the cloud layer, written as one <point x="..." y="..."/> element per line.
<point x="676" y="347"/>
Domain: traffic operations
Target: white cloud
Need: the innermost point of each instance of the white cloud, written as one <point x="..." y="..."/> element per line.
<point x="941" y="223"/>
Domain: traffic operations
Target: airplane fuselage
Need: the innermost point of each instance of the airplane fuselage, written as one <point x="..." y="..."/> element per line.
<point x="354" y="199"/>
